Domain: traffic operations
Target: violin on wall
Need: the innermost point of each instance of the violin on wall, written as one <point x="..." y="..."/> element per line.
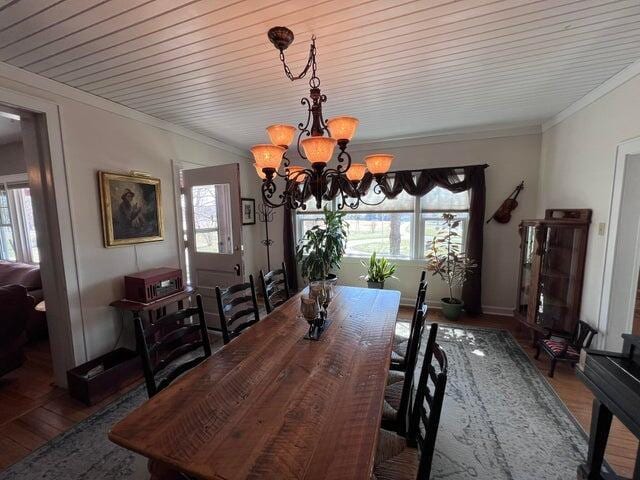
<point x="503" y="214"/>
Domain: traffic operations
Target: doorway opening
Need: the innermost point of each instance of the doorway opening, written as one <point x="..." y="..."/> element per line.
<point x="620" y="305"/>
<point x="25" y="358"/>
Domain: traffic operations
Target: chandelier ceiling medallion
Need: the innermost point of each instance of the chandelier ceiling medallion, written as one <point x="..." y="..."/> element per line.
<point x="316" y="143"/>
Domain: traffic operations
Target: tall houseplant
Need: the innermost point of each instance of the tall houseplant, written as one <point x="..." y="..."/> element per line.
<point x="322" y="247"/>
<point x="378" y="270"/>
<point x="446" y="259"/>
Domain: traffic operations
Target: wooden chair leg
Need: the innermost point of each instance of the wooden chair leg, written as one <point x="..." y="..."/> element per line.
<point x="553" y="367"/>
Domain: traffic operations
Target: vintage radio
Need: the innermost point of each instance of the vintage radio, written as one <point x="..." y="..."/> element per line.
<point x="152" y="284"/>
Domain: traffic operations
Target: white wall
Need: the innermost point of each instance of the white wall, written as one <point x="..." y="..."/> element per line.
<point x="96" y="139"/>
<point x="577" y="171"/>
<point x="12" y="160"/>
<point x="511" y="159"/>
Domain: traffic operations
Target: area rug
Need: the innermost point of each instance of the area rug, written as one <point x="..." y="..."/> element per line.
<point x="501" y="420"/>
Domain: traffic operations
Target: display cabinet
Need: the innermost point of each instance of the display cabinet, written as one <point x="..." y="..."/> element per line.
<point x="552" y="255"/>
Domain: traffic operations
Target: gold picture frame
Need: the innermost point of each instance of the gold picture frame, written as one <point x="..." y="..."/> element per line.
<point x="131" y="209"/>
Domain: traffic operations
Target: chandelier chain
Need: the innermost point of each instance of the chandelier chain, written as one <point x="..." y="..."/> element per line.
<point x="314" y="81"/>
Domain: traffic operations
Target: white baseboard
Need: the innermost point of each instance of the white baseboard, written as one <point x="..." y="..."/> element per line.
<point x="489" y="309"/>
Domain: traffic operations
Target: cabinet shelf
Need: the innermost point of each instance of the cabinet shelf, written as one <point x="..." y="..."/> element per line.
<point x="554" y="274"/>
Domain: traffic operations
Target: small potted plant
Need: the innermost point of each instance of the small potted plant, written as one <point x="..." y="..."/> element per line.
<point x="322" y="247"/>
<point x="446" y="259"/>
<point x="378" y="270"/>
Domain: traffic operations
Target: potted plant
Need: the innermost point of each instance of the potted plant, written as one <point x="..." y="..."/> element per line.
<point x="378" y="270"/>
<point x="446" y="259"/>
<point x="322" y="247"/>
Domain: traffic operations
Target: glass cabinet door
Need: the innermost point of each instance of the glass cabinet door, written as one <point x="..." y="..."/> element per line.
<point x="527" y="253"/>
<point x="557" y="302"/>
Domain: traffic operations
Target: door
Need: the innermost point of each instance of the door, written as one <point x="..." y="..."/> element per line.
<point x="214" y="232"/>
<point x="626" y="261"/>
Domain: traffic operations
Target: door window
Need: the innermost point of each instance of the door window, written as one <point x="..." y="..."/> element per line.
<point x="212" y="218"/>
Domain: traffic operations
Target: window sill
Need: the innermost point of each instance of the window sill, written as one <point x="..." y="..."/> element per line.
<point x="404" y="262"/>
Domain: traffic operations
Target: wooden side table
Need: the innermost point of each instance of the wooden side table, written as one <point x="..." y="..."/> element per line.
<point x="149" y="312"/>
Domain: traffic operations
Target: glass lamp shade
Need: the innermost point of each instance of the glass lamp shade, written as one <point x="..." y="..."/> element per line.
<point x="378" y="163"/>
<point x="318" y="149"/>
<point x="295" y="175"/>
<point x="356" y="172"/>
<point x="281" y="134"/>
<point x="267" y="155"/>
<point x="342" y="128"/>
<point x="259" y="171"/>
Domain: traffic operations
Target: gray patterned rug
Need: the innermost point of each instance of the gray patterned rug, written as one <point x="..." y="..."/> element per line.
<point x="501" y="420"/>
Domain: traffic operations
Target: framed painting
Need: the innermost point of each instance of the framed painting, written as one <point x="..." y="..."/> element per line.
<point x="131" y="209"/>
<point x="248" y="211"/>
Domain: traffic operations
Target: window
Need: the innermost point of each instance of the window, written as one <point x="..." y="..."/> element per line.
<point x="18" y="239"/>
<point x="433" y="205"/>
<point x="212" y="218"/>
<point x="7" y="243"/>
<point x="384" y="226"/>
<point x="310" y="216"/>
<point x="399" y="228"/>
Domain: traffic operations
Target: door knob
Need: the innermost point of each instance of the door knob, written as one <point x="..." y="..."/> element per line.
<point x="236" y="267"/>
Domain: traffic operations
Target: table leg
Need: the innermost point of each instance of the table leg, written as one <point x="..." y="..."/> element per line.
<point x="600" y="425"/>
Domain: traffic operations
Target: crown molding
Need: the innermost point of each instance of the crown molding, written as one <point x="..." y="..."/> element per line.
<point x="459" y="135"/>
<point x="614" y="82"/>
<point x="34" y="80"/>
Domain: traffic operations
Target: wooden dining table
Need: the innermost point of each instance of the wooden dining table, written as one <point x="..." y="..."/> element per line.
<point x="274" y="405"/>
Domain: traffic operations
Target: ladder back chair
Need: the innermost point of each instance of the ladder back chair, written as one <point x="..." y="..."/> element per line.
<point x="397" y="397"/>
<point x="238" y="308"/>
<point x="398" y="457"/>
<point x="275" y="287"/>
<point x="401" y="345"/>
<point x="159" y="349"/>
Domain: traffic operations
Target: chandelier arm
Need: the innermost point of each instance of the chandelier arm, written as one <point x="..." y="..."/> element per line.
<point x="304" y="128"/>
<point x="342" y="156"/>
<point x="268" y="190"/>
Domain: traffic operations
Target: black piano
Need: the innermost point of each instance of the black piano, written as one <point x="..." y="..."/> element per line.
<point x="614" y="379"/>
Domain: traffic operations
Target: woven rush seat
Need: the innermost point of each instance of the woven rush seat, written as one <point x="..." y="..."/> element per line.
<point x="395" y="460"/>
<point x="391" y="405"/>
<point x="400" y="345"/>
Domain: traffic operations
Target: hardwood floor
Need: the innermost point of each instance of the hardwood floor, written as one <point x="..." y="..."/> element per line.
<point x="33" y="411"/>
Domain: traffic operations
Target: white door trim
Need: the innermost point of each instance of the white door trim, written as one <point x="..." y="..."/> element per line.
<point x="48" y="179"/>
<point x="625" y="149"/>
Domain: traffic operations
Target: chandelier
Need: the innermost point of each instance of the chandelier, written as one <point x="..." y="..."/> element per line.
<point x="316" y="142"/>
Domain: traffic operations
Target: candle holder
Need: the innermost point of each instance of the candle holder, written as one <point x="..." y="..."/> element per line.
<point x="320" y="295"/>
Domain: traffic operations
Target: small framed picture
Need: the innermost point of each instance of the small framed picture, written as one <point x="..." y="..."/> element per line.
<point x="248" y="211"/>
<point x="131" y="209"/>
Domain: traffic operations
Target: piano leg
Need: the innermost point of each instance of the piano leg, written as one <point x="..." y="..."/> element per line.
<point x="600" y="425"/>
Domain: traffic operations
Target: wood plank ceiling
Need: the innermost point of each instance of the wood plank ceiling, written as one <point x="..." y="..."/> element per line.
<point x="404" y="68"/>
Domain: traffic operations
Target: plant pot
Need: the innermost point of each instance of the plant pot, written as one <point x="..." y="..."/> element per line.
<point x="379" y="285"/>
<point x="451" y="308"/>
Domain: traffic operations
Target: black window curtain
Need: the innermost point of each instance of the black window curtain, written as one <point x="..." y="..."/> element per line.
<point x="419" y="183"/>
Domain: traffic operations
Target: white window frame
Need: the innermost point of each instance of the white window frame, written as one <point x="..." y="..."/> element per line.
<point x="17" y="216"/>
<point x="417" y="232"/>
